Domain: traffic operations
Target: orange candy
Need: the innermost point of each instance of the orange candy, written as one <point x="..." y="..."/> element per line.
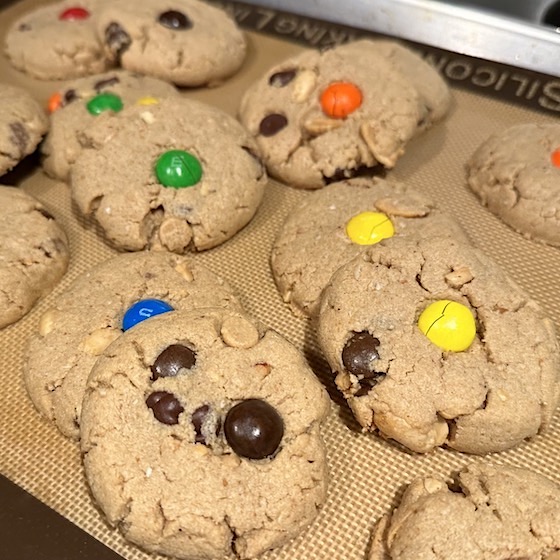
<point x="340" y="99"/>
<point x="55" y="102"/>
<point x="555" y="157"/>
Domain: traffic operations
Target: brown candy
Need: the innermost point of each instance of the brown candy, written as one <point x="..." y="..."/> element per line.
<point x="359" y="353"/>
<point x="272" y="124"/>
<point x="117" y="39"/>
<point x="173" y="19"/>
<point x="282" y="79"/>
<point x="254" y="429"/>
<point x="174" y="358"/>
<point x="165" y="406"/>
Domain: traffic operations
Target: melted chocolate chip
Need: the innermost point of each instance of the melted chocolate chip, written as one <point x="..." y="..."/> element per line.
<point x="102" y="84"/>
<point x="254" y="429"/>
<point x="172" y="360"/>
<point x="69" y="96"/>
<point x="359" y="353"/>
<point x="272" y="124"/>
<point x="19" y="136"/>
<point x="281" y="79"/>
<point x="165" y="406"/>
<point x="173" y="19"/>
<point x="117" y="39"/>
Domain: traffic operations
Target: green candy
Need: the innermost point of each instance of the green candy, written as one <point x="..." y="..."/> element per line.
<point x="104" y="102"/>
<point x="178" y="169"/>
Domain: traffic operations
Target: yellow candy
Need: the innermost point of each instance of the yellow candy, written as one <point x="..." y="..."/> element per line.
<point x="147" y="101"/>
<point x="368" y="228"/>
<point x="448" y="324"/>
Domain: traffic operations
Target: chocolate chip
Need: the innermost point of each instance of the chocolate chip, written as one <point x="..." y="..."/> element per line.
<point x="24" y="27"/>
<point x="69" y="96"/>
<point x="175" y="20"/>
<point x="45" y="213"/>
<point x="253" y="429"/>
<point x="102" y="84"/>
<point x="272" y="124"/>
<point x="19" y="136"/>
<point x="198" y="419"/>
<point x="359" y="353"/>
<point x="281" y="79"/>
<point x="165" y="406"/>
<point x="172" y="360"/>
<point x="117" y="39"/>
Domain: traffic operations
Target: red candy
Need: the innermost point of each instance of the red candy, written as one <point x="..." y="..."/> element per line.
<point x="74" y="14"/>
<point x="555" y="157"/>
<point x="340" y="99"/>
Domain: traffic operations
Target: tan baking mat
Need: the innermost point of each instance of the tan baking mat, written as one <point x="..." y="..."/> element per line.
<point x="366" y="473"/>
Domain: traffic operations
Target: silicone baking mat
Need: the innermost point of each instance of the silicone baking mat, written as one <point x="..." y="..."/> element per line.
<point x="367" y="473"/>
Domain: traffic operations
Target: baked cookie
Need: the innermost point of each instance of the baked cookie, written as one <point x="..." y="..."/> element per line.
<point x="433" y="344"/>
<point x="33" y="253"/>
<point x="516" y="174"/>
<point x="80" y="102"/>
<point x="337" y="223"/>
<point x="90" y="314"/>
<point x="489" y="513"/>
<point x="22" y="125"/>
<point x="187" y="42"/>
<point x="179" y="175"/>
<point x="58" y="41"/>
<point x="201" y="436"/>
<point x="324" y="116"/>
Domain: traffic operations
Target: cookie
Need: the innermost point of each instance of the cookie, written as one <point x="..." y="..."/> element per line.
<point x="201" y="435"/>
<point x="33" y="253"/>
<point x="187" y="42"/>
<point x="179" y="175"/>
<point x="323" y="116"/>
<point x="490" y="512"/>
<point x="22" y="125"/>
<point x="516" y="174"/>
<point x="433" y="344"/>
<point x="337" y="223"/>
<point x="80" y="102"/>
<point x="58" y="41"/>
<point x="89" y="315"/>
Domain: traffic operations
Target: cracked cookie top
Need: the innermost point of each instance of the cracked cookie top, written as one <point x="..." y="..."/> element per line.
<point x="324" y="116"/>
<point x="500" y="390"/>
<point x="101" y="303"/>
<point x="201" y="435"/>
<point x="516" y="174"/>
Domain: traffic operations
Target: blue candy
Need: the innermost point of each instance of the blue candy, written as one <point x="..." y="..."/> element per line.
<point x="142" y="310"/>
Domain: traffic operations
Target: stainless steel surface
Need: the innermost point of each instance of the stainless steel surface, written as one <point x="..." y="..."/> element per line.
<point x="468" y="30"/>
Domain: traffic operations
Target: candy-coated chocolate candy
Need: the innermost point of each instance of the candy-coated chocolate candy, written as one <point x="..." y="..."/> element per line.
<point x="555" y="157"/>
<point x="340" y="99"/>
<point x="74" y="14"/>
<point x="165" y="406"/>
<point x="173" y="19"/>
<point x="55" y="102"/>
<point x="368" y="228"/>
<point x="448" y="324"/>
<point x="178" y="169"/>
<point x="173" y="359"/>
<point x="142" y="310"/>
<point x="148" y="100"/>
<point x="253" y="429"/>
<point x="104" y="102"/>
<point x="359" y="357"/>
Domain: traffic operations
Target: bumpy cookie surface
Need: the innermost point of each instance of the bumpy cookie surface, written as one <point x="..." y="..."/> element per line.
<point x="22" y="125"/>
<point x="142" y="150"/>
<point x="58" y="41"/>
<point x="201" y="436"/>
<point x="337" y="223"/>
<point x="516" y="174"/>
<point x="496" y="388"/>
<point x="186" y="42"/>
<point x="80" y="102"/>
<point x="498" y="512"/>
<point x="33" y="253"/>
<point x="323" y="116"/>
<point x="89" y="316"/>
